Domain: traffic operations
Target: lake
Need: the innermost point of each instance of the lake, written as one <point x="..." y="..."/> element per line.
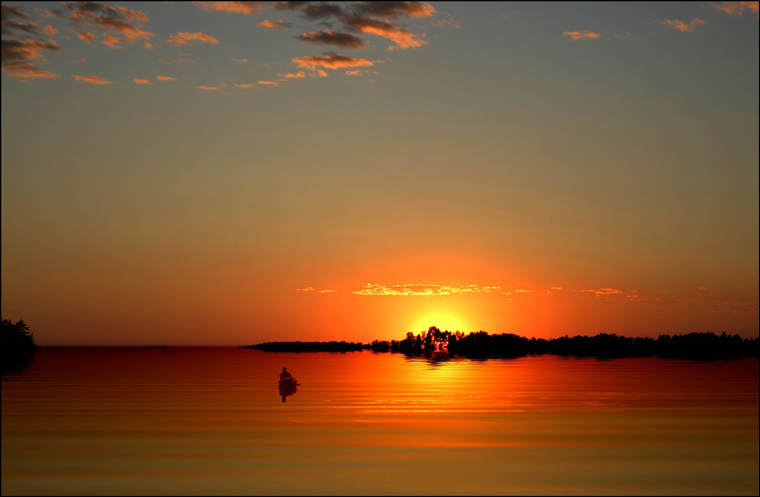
<point x="185" y="420"/>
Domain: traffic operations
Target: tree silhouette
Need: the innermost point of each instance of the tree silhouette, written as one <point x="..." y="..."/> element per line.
<point x="17" y="344"/>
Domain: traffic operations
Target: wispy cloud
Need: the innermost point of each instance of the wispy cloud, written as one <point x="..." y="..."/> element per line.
<point x="142" y="81"/>
<point x="232" y="7"/>
<point x="400" y="35"/>
<point x="423" y="290"/>
<point x="736" y="8"/>
<point x="273" y="25"/>
<point x="49" y="31"/>
<point x="330" y="61"/>
<point x="319" y="73"/>
<point x="330" y="37"/>
<point x="213" y="88"/>
<point x="312" y="11"/>
<point x="682" y="26"/>
<point x="603" y="291"/>
<point x="582" y="35"/>
<point x="117" y="25"/>
<point x="165" y="78"/>
<point x="446" y="21"/>
<point x="317" y="290"/>
<point x="19" y="49"/>
<point x="183" y="38"/>
<point x="96" y="80"/>
<point x="299" y="74"/>
<point x="393" y="10"/>
<point x="27" y="70"/>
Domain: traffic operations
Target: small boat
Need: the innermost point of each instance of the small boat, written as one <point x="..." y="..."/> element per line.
<point x="288" y="386"/>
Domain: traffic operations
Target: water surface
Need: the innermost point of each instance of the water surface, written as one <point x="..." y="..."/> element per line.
<point x="211" y="421"/>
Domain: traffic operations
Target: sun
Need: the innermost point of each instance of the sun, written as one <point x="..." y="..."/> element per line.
<point x="441" y="320"/>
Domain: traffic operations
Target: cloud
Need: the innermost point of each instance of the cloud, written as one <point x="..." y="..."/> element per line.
<point x="523" y="291"/>
<point x="556" y="288"/>
<point x="165" y="78"/>
<point x="681" y="26"/>
<point x="582" y="35"/>
<point x="603" y="291"/>
<point x="19" y="49"/>
<point x="240" y="60"/>
<point x="183" y="38"/>
<point x="117" y="25"/>
<point x="312" y="11"/>
<point x="27" y="70"/>
<point x="274" y="25"/>
<point x="330" y="61"/>
<point x="330" y="37"/>
<point x="394" y="9"/>
<point x="607" y="291"/>
<point x="423" y="290"/>
<point x="246" y="85"/>
<point x="23" y="50"/>
<point x="271" y="83"/>
<point x="20" y="23"/>
<point x="232" y="7"/>
<point x="401" y="36"/>
<point x="447" y="20"/>
<point x="736" y="8"/>
<point x="142" y="81"/>
<point x="96" y="80"/>
<point x="213" y="88"/>
<point x="87" y="37"/>
<point x="299" y="74"/>
<point x="77" y="61"/>
<point x="49" y="31"/>
<point x="357" y="72"/>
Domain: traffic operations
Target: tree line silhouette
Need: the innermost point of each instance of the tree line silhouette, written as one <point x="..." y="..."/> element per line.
<point x="481" y="344"/>
<point x="16" y="344"/>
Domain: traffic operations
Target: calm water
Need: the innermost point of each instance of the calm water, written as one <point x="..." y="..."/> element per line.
<point x="211" y="421"/>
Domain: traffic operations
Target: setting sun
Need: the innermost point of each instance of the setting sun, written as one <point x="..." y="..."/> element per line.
<point x="443" y="321"/>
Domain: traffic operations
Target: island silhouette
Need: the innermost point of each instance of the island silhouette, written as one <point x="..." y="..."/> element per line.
<point x="481" y="344"/>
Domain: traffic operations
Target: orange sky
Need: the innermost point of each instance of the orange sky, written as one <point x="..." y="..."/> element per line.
<point x="231" y="173"/>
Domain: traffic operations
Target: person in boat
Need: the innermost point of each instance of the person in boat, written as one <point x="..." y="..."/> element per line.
<point x="285" y="374"/>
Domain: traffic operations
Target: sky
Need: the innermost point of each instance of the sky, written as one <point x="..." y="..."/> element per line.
<point x="230" y="173"/>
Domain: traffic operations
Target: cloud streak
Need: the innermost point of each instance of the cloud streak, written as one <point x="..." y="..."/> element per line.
<point x="423" y="290"/>
<point x="736" y="8"/>
<point x="330" y="60"/>
<point x="682" y="26"/>
<point x="399" y="35"/>
<point x="184" y="38"/>
<point x="117" y="25"/>
<point x="330" y="37"/>
<point x="582" y="35"/>
<point x="232" y="7"/>
<point x="274" y="25"/>
<point x="19" y="48"/>
<point x="96" y="80"/>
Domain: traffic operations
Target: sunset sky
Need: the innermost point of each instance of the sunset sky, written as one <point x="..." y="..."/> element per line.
<point x="229" y="173"/>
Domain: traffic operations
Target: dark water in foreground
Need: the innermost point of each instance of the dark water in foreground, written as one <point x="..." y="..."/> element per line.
<point x="211" y="421"/>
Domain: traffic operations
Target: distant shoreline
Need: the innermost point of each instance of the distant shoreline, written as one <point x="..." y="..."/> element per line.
<point x="481" y="344"/>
